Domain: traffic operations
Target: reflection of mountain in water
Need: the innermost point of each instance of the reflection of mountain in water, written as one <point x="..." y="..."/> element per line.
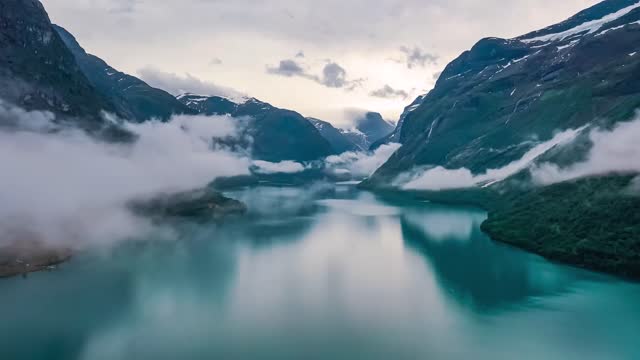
<point x="478" y="272"/>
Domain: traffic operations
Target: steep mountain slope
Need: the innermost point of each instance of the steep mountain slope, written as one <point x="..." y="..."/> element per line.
<point x="492" y="101"/>
<point x="38" y="72"/>
<point x="336" y="137"/>
<point x="277" y="134"/>
<point x="504" y="98"/>
<point x="395" y="135"/>
<point x="133" y="98"/>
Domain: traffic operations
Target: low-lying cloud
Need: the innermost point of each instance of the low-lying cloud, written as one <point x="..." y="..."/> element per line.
<point x="282" y="167"/>
<point x="613" y="151"/>
<point x="439" y="178"/>
<point x="359" y="165"/>
<point x="64" y="188"/>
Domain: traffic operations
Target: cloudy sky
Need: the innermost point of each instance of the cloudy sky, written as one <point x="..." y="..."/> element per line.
<point x="316" y="57"/>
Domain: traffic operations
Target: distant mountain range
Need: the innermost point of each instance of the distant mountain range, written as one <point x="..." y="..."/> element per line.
<point x="43" y="67"/>
<point x="277" y="134"/>
<point x="369" y="129"/>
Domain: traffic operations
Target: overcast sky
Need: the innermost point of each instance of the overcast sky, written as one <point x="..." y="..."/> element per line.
<point x="316" y="57"/>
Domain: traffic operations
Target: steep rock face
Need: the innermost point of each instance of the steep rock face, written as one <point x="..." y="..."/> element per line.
<point x="338" y="138"/>
<point x="277" y="134"/>
<point x="490" y="102"/>
<point x="38" y="72"/>
<point x="133" y="98"/>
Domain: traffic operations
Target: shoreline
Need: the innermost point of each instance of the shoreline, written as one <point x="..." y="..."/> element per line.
<point x="532" y="229"/>
<point x="25" y="261"/>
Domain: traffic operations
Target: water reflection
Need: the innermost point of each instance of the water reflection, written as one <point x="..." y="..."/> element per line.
<point x="330" y="273"/>
<point x="476" y="271"/>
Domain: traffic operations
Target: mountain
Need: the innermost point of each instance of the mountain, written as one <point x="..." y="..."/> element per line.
<point x="37" y="70"/>
<point x="338" y="138"/>
<point x="493" y="99"/>
<point x="504" y="97"/>
<point x="369" y="128"/>
<point x="395" y="135"/>
<point x="277" y="134"/>
<point x="133" y="98"/>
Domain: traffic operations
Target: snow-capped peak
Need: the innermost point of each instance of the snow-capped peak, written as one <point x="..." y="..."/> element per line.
<point x="196" y="98"/>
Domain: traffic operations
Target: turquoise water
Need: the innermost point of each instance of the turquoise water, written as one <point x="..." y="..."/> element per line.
<point x="320" y="273"/>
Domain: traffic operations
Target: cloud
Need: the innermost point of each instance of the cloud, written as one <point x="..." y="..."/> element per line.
<point x="300" y="54"/>
<point x="359" y="165"/>
<point x="439" y="178"/>
<point x="327" y="29"/>
<point x="124" y="6"/>
<point x="387" y="92"/>
<point x="282" y="167"/>
<point x="12" y="117"/>
<point x="287" y="68"/>
<point x="215" y="61"/>
<point x="613" y="151"/>
<point x="333" y="75"/>
<point x="416" y="57"/>
<point x="66" y="188"/>
<point x="177" y="85"/>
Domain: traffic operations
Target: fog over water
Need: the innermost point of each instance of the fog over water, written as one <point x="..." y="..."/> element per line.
<point x="320" y="272"/>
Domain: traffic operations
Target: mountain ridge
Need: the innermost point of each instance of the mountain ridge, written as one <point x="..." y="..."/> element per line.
<point x="502" y="92"/>
<point x="277" y="134"/>
<point x="37" y="70"/>
<point x="133" y="98"/>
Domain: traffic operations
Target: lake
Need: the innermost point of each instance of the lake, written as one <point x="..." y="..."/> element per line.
<point x="321" y="272"/>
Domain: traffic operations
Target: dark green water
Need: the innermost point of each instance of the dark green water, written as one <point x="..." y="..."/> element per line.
<point x="320" y="274"/>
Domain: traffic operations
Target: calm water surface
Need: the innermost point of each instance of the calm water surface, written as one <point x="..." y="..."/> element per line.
<point x="320" y="273"/>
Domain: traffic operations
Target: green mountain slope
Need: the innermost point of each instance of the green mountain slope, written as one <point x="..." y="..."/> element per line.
<point x="493" y="99"/>
<point x="133" y="98"/>
<point x="277" y="134"/>
<point x="38" y="72"/>
<point x="503" y="97"/>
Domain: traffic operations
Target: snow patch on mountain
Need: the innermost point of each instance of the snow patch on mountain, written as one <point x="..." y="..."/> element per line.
<point x="588" y="27"/>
